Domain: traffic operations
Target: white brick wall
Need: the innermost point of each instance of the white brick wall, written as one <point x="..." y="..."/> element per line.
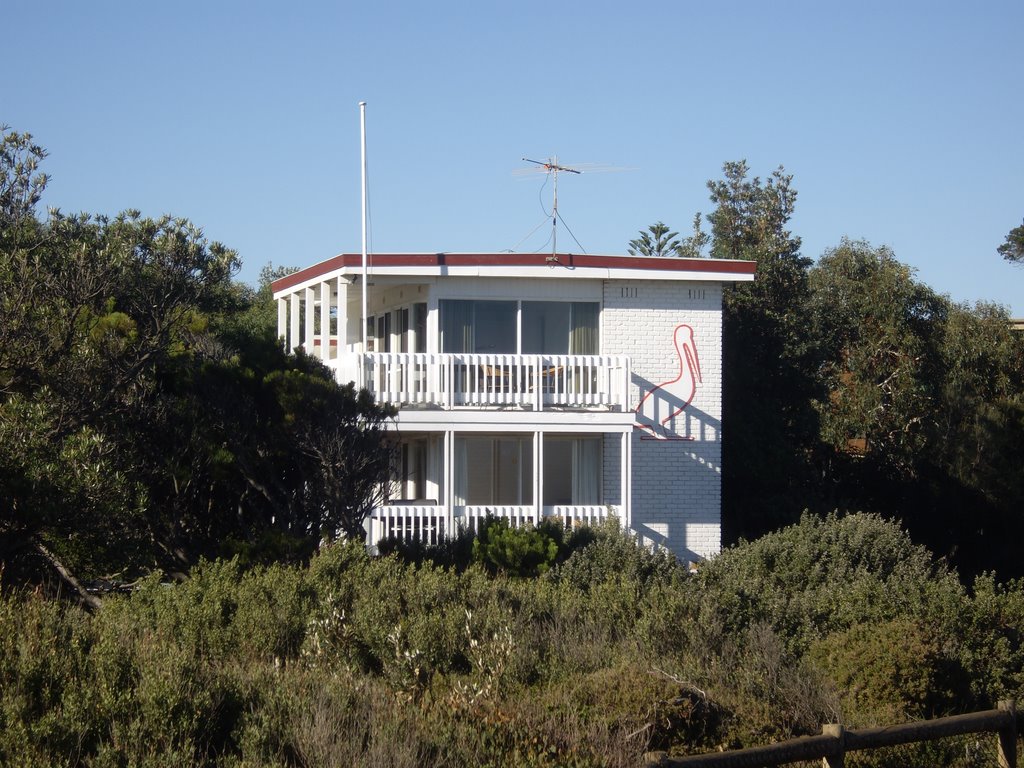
<point x="676" y="483"/>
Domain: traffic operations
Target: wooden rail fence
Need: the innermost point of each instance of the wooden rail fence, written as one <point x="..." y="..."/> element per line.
<point x="835" y="741"/>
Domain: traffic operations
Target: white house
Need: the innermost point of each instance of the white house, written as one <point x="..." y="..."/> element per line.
<point x="533" y="385"/>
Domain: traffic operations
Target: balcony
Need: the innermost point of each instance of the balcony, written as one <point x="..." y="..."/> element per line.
<point x="528" y="382"/>
<point x="431" y="524"/>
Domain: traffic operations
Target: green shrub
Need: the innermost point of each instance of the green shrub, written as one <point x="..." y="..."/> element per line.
<point x="825" y="575"/>
<point x="607" y="553"/>
<point x="889" y="672"/>
<point x="989" y="641"/>
<point x="361" y="660"/>
<point x="47" y="707"/>
<point x="518" y="551"/>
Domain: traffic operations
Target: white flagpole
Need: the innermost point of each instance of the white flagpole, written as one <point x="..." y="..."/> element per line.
<point x="362" y="124"/>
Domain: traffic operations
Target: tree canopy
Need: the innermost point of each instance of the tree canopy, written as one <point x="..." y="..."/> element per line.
<point x="1013" y="248"/>
<point x="850" y="384"/>
<point x="147" y="413"/>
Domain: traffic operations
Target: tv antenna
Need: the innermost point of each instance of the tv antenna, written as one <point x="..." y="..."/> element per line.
<point x="552" y="168"/>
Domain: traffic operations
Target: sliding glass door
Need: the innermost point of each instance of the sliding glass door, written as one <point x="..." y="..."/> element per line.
<point x="526" y="327"/>
<point x="572" y="470"/>
<point x="493" y="470"/>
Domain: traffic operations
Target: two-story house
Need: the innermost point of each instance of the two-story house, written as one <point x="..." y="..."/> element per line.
<point x="533" y="385"/>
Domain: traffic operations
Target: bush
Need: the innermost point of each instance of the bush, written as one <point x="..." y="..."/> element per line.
<point x="517" y="551"/>
<point x="889" y="672"/>
<point x="607" y="553"/>
<point x="825" y="575"/>
<point x="359" y="660"/>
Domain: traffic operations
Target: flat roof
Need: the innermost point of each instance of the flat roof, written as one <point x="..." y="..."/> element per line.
<point x="562" y="265"/>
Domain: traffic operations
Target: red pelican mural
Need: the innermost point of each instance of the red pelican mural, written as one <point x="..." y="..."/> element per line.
<point x="667" y="400"/>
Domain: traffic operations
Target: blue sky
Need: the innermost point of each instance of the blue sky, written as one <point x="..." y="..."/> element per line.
<point x="900" y="122"/>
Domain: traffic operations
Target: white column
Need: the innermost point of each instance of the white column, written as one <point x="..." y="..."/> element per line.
<point x="538" y="476"/>
<point x="433" y="323"/>
<point x="325" y="320"/>
<point x="294" y="318"/>
<point x="341" y="286"/>
<point x="448" y="479"/>
<point x="282" y="322"/>
<point x="626" y="494"/>
<point x="307" y="332"/>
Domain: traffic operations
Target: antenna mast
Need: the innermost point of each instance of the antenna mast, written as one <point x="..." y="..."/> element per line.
<point x="552" y="167"/>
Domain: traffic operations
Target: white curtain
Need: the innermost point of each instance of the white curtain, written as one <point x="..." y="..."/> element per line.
<point x="583" y="333"/>
<point x="457" y="327"/>
<point x="586" y="471"/>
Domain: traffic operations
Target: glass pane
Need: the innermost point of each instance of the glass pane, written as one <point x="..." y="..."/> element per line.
<point x="403" y="330"/>
<point x="572" y="470"/>
<point x="557" y="471"/>
<point x="478" y="466"/>
<point x="513" y="469"/>
<point x="419" y="320"/>
<point x="546" y="327"/>
<point x="384" y="332"/>
<point x="456" y="326"/>
<point x="494" y="327"/>
<point x="584" y="335"/>
<point x="494" y="470"/>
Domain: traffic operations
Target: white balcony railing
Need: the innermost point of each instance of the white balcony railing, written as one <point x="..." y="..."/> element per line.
<point x="432" y="523"/>
<point x="460" y="380"/>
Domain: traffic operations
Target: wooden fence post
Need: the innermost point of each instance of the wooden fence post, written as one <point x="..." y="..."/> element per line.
<point x="1008" y="736"/>
<point x="837" y="760"/>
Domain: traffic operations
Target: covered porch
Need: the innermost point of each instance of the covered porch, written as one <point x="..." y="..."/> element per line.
<point x="451" y="481"/>
<point x="416" y="348"/>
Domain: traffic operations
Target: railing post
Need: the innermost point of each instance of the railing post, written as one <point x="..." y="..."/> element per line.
<point x="835" y="761"/>
<point x="627" y="375"/>
<point x="538" y="379"/>
<point x="1007" y="755"/>
<point x="449" y="364"/>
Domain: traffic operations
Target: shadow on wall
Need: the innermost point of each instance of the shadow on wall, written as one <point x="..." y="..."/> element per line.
<point x="677" y="493"/>
<point x="665" y="414"/>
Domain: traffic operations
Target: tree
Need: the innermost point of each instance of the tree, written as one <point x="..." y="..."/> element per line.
<point x="656" y="241"/>
<point x="770" y="427"/>
<point x="21" y="183"/>
<point x="148" y="414"/>
<point x="923" y="405"/>
<point x="693" y="245"/>
<point x="1013" y="248"/>
<point x="880" y="332"/>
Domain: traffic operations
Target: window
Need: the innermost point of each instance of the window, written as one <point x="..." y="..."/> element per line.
<point x="411" y="470"/>
<point x="403" y="329"/>
<point x="560" y="327"/>
<point x="541" y="327"/>
<point x="384" y="333"/>
<point x="493" y="470"/>
<point x="419" y="326"/>
<point x="478" y="326"/>
<point x="572" y="470"/>
<point x="499" y="470"/>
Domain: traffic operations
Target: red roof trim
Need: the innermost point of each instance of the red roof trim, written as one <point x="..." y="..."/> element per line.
<point x="722" y="266"/>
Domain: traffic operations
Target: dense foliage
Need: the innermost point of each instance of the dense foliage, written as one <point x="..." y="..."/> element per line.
<point x="147" y="413"/>
<point x="848" y="384"/>
<point x="1012" y="248"/>
<point x="150" y="423"/>
<point x="615" y="650"/>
